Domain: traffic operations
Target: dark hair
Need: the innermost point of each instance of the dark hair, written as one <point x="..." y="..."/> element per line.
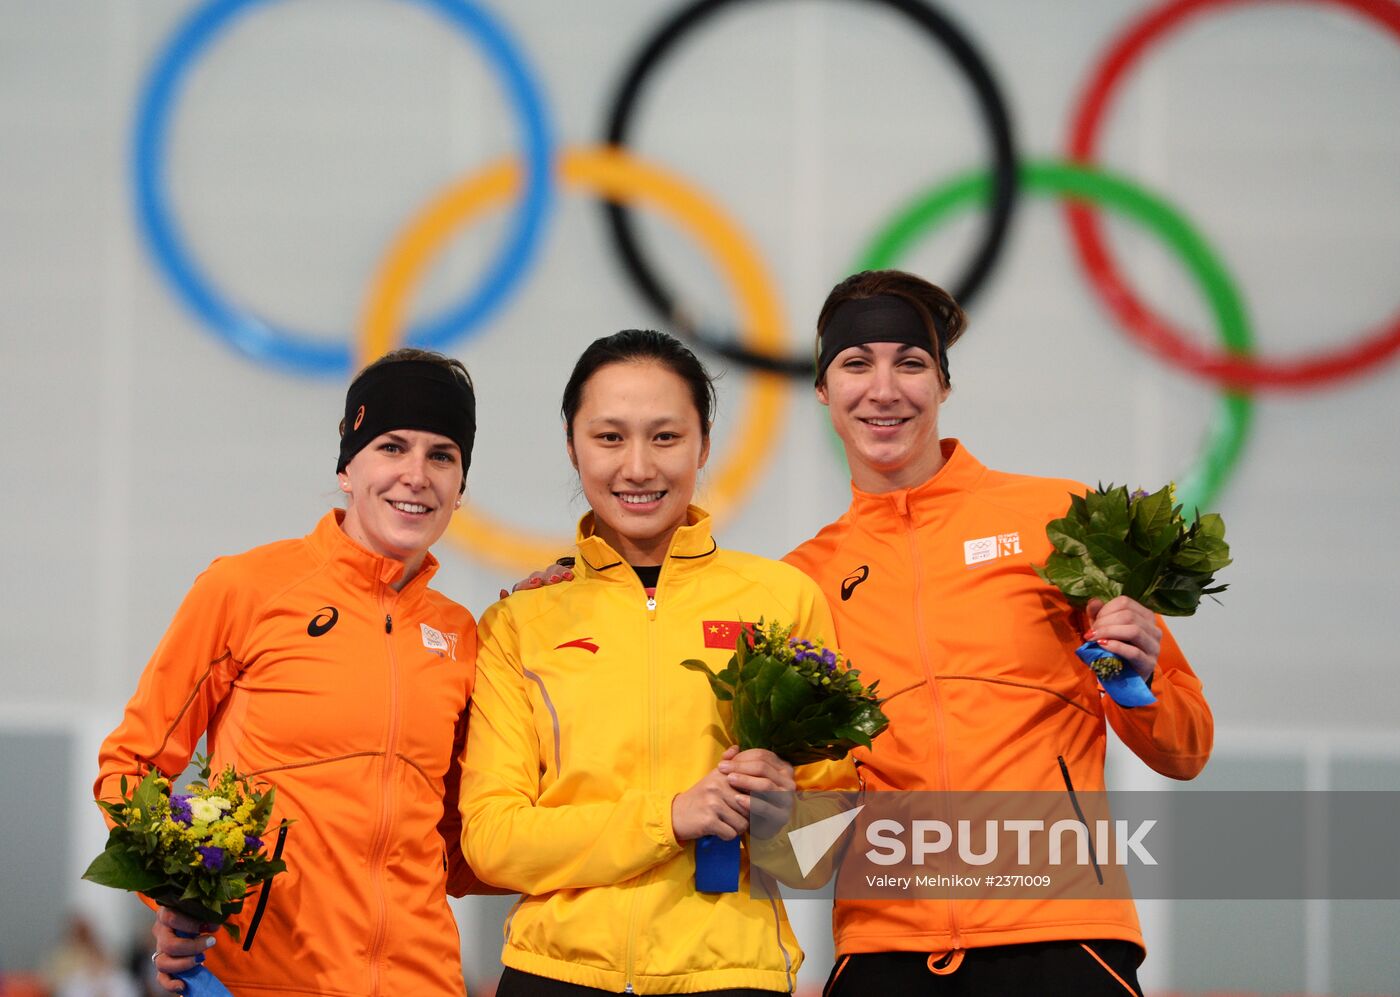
<point x="641" y="346"/>
<point x="927" y="299"/>
<point x="458" y="369"/>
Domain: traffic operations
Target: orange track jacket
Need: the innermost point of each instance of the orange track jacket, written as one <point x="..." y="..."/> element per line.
<point x="933" y="593"/>
<point x="309" y="672"/>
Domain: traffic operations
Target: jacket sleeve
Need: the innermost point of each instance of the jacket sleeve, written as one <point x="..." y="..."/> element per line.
<point x="185" y="681"/>
<point x="461" y="878"/>
<point x="1173" y="735"/>
<point x="509" y="839"/>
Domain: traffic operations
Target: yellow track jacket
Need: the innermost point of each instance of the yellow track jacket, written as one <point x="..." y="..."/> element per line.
<point x="584" y="727"/>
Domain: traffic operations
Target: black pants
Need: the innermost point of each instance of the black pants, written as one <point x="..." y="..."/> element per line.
<point x="517" y="984"/>
<point x="1094" y="968"/>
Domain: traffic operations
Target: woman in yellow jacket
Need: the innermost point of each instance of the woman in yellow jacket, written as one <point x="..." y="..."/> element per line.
<point x="594" y="758"/>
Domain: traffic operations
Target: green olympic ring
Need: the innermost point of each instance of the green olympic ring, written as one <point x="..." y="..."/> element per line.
<point x="1200" y="484"/>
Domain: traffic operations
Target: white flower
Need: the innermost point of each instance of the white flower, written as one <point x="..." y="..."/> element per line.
<point x="220" y="802"/>
<point x="204" y="810"/>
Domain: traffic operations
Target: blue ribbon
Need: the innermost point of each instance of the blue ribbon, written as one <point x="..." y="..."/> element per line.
<point x="1127" y="687"/>
<point x="716" y="864"/>
<point x="199" y="982"/>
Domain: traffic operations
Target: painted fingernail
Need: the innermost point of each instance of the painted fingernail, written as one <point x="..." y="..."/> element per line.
<point x="1088" y="635"/>
<point x="1099" y="642"/>
<point x="568" y="576"/>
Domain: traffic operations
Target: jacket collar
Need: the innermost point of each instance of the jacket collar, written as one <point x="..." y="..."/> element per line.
<point x="924" y="503"/>
<point x="358" y="565"/>
<point x="691" y="546"/>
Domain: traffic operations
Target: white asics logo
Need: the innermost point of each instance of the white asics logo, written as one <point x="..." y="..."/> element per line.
<point x="990" y="548"/>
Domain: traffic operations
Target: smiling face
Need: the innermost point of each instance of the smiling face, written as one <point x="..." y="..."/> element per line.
<point x="637" y="443"/>
<point x="883" y="400"/>
<point x="403" y="487"/>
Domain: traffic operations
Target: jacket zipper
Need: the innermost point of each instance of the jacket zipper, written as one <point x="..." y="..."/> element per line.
<point x="938" y="719"/>
<point x="1079" y="812"/>
<point x="379" y="852"/>
<point x="653" y="762"/>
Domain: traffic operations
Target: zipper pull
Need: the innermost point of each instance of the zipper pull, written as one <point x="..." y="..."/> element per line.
<point x="388" y="624"/>
<point x="651" y="603"/>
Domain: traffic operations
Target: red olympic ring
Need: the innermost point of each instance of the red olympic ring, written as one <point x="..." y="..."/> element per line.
<point x="1155" y="333"/>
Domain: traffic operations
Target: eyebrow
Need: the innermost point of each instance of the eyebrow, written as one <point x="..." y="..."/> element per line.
<point x="447" y="445"/>
<point x="603" y="421"/>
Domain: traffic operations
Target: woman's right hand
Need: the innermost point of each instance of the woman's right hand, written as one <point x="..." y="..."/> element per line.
<point x="173" y="953"/>
<point x="711" y="806"/>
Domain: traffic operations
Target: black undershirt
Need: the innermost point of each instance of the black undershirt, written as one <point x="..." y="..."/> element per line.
<point x="649" y="574"/>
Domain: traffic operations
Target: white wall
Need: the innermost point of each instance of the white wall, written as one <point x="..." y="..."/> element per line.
<point x="138" y="445"/>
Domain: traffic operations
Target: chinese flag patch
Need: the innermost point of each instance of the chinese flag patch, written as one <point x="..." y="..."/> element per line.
<point x="724" y="633"/>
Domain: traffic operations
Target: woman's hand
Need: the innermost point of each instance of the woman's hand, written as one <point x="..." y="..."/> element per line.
<point x="561" y="570"/>
<point x="760" y="771"/>
<point x="175" y="954"/>
<point x="711" y="806"/>
<point x="1128" y="629"/>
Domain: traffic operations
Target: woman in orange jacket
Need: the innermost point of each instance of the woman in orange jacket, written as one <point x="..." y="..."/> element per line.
<point x="326" y="667"/>
<point x="929" y="577"/>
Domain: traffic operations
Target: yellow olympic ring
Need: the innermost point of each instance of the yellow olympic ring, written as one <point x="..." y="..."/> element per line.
<point x="619" y="176"/>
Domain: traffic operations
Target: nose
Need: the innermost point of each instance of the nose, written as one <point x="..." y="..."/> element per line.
<point x="637" y="464"/>
<point x="413" y="472"/>
<point x="882" y="383"/>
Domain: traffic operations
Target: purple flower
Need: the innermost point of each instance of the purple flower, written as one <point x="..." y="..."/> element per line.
<point x="212" y="856"/>
<point x="1141" y="493"/>
<point x="829" y="659"/>
<point x="251" y="843"/>
<point x="180" y="809"/>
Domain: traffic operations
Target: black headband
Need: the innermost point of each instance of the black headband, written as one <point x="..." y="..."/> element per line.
<point x="885" y="318"/>
<point x="408" y="394"/>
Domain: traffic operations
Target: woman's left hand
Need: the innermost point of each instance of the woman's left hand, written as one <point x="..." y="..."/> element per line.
<point x="1128" y="629"/>
<point x="760" y="771"/>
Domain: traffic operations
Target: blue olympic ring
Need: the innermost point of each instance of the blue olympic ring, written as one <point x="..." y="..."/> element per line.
<point x="288" y="348"/>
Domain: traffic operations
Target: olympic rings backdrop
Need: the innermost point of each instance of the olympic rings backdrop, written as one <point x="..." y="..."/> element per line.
<point x="1175" y="225"/>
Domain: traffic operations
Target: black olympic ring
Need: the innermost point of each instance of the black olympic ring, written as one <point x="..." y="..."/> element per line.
<point x="1003" y="191"/>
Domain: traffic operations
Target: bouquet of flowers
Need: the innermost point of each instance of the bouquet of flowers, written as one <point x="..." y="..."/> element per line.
<point x="197" y="852"/>
<point x="798" y="699"/>
<point x="1112" y="542"/>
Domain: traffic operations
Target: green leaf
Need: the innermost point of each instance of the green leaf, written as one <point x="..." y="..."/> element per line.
<point x="1112" y="556"/>
<point x="696" y="665"/>
<point x="148" y="792"/>
<point x="1066" y="536"/>
<point x="1067" y="574"/>
<point x="120" y="869"/>
<point x="791" y="692"/>
<point x="1099" y="584"/>
<point x="766" y="672"/>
